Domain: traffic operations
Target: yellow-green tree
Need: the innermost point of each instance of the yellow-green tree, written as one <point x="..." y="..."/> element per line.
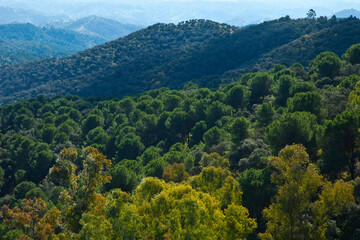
<point x="94" y="223"/>
<point x="178" y="211"/>
<point x="122" y="213"/>
<point x="79" y="187"/>
<point x="214" y="159"/>
<point x="354" y="97"/>
<point x="220" y="184"/>
<point x="160" y="210"/>
<point x="305" y="202"/>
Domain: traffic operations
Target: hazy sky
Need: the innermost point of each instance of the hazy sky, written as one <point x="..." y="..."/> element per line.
<point x="323" y="3"/>
<point x="288" y="3"/>
<point x="145" y="12"/>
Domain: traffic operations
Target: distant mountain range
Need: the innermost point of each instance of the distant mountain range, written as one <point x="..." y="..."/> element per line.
<point x="347" y="13"/>
<point x="168" y="55"/>
<point x="23" y="42"/>
<point x="145" y="13"/>
<point x="97" y="26"/>
<point x="9" y="15"/>
<point x="107" y="29"/>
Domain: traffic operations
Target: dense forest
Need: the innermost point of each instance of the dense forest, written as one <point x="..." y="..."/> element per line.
<point x="273" y="155"/>
<point x="24" y="42"/>
<point x="168" y="55"/>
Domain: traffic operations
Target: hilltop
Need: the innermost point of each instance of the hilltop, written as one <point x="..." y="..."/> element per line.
<point x="169" y="55"/>
<point x="335" y="38"/>
<point x="347" y="13"/>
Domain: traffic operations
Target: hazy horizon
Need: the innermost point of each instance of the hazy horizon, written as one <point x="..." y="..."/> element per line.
<point x="236" y="12"/>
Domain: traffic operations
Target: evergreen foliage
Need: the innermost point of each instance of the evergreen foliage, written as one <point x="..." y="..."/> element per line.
<point x="189" y="164"/>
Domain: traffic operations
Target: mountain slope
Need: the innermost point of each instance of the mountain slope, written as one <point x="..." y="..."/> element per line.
<point x="347" y="13"/>
<point x="337" y="38"/>
<point x="161" y="56"/>
<point x="26" y="42"/>
<point x="9" y="15"/>
<point x="98" y="26"/>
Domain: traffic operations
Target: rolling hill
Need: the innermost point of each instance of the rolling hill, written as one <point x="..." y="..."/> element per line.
<point x="347" y="13"/>
<point x="23" y="42"/>
<point x="336" y="38"/>
<point x="98" y="26"/>
<point x="168" y="55"/>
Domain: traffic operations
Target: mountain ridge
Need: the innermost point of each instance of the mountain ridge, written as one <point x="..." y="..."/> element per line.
<point x="97" y="26"/>
<point x="9" y="15"/>
<point x="347" y="13"/>
<point x="328" y="39"/>
<point x="163" y="55"/>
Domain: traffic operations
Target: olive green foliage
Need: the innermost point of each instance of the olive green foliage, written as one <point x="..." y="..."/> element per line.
<point x="175" y="155"/>
<point x="299" y="182"/>
<point x="214" y="159"/>
<point x="178" y="211"/>
<point x="175" y="173"/>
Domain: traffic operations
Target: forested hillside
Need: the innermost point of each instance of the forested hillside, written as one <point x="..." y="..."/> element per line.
<point x="161" y="55"/>
<point x="24" y="42"/>
<point x="97" y="26"/>
<point x="306" y="47"/>
<point x="273" y="155"/>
